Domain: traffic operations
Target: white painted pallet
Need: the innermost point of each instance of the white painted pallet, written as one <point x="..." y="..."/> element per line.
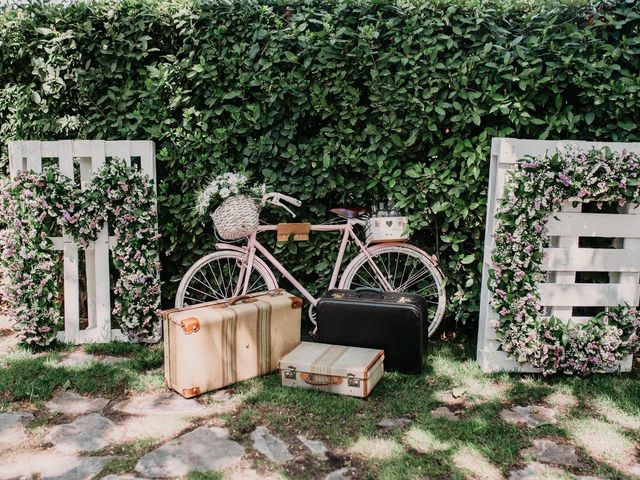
<point x="560" y="293"/>
<point x="91" y="154"/>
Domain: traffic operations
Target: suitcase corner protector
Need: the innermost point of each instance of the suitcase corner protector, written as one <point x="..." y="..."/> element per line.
<point x="190" y="325"/>
<point x="296" y="302"/>
<point x="190" y="392"/>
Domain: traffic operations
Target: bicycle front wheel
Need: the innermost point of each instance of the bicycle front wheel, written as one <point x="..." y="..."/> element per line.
<point x="220" y="275"/>
<point x="406" y="269"/>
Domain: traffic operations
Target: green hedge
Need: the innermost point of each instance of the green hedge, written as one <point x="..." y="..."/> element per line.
<point x="329" y="101"/>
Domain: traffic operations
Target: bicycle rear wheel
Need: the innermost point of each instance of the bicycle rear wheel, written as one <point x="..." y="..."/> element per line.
<point x="406" y="269"/>
<point x="217" y="276"/>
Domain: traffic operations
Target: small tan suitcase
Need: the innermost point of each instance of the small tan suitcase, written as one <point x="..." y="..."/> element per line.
<point x="212" y="345"/>
<point x="332" y="368"/>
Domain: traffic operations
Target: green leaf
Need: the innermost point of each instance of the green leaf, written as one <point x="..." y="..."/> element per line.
<point x="292" y="57"/>
<point x="588" y="117"/>
<point x="467" y="259"/>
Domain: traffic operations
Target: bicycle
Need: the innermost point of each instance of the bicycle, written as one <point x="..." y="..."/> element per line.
<point x="236" y="270"/>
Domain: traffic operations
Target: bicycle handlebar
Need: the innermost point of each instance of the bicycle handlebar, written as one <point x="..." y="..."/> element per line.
<point x="276" y="198"/>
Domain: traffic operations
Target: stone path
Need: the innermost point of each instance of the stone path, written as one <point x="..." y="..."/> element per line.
<point x="532" y="416"/>
<point x="88" y="433"/>
<point x="537" y="471"/>
<point x="342" y="474"/>
<point x="446" y="413"/>
<point x="317" y="448"/>
<point x="53" y="466"/>
<point x="548" y="451"/>
<point x="204" y="449"/>
<point x="12" y="430"/>
<point x="161" y="403"/>
<point x="70" y="403"/>
<point x="270" y="446"/>
<point x="388" y="423"/>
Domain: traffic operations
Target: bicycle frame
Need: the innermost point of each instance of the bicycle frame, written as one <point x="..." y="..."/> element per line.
<point x="253" y="245"/>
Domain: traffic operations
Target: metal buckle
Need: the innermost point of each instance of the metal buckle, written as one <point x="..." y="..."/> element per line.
<point x="290" y="373"/>
<point x="352" y="381"/>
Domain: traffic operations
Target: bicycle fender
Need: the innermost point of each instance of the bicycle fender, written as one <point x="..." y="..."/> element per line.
<point x="226" y="246"/>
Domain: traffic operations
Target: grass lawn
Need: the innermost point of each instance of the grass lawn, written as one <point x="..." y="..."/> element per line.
<point x="590" y="410"/>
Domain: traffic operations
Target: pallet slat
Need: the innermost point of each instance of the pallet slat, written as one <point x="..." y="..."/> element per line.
<point x="594" y="225"/>
<point x="588" y="294"/>
<point x="592" y="259"/>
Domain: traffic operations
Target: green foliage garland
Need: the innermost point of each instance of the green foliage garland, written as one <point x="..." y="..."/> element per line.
<point x="38" y="206"/>
<point x="334" y="102"/>
<point x="537" y="188"/>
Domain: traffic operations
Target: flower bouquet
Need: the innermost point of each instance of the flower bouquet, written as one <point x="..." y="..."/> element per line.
<point x="238" y="214"/>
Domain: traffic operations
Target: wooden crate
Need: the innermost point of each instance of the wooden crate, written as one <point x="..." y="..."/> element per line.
<point x="564" y="258"/>
<point x="90" y="154"/>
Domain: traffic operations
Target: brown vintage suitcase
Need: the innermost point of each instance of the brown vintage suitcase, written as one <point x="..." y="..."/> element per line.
<point x="211" y="345"/>
<point x="332" y="368"/>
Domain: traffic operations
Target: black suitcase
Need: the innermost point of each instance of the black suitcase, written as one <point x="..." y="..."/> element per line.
<point x="372" y="318"/>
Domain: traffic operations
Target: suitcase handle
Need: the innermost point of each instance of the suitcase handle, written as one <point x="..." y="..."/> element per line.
<point x="369" y="290"/>
<point x="240" y="298"/>
<point x="307" y="377"/>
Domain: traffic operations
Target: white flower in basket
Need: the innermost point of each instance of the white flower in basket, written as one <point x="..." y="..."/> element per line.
<point x="238" y="215"/>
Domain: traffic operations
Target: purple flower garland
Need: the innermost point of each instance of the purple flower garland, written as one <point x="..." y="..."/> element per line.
<point x="42" y="204"/>
<point x="537" y="188"/>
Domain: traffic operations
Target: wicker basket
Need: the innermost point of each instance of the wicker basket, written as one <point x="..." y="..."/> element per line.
<point x="236" y="217"/>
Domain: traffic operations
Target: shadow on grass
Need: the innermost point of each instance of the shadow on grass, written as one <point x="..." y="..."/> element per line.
<point x="341" y="421"/>
<point x="35" y="378"/>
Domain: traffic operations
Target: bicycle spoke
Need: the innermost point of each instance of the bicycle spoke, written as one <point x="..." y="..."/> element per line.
<point x="395" y="272"/>
<point x="400" y="288"/>
<point x="191" y="287"/>
<point x="215" y="277"/>
<point x="232" y="275"/>
<point x="389" y="279"/>
<point x="369" y="284"/>
<point x="195" y="277"/>
<point x="250" y="289"/>
<point x="195" y="300"/>
<point x="415" y="279"/>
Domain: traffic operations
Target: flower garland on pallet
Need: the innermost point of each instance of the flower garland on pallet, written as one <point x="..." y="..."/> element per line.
<point x="537" y="188"/>
<point x="39" y="204"/>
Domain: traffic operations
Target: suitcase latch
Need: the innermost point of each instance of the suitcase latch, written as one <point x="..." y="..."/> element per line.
<point x="352" y="381"/>
<point x="290" y="373"/>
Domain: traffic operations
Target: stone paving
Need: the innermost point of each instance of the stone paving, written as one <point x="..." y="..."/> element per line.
<point x="548" y="451"/>
<point x="70" y="447"/>
<point x="203" y="449"/>
<point x="187" y="435"/>
<point x="12" y="431"/>
<point x="70" y="403"/>
<point x="89" y="433"/>
<point x="532" y="416"/>
<point x="270" y="446"/>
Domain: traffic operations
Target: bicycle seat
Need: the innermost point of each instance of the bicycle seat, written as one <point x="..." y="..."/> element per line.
<point x="344" y="212"/>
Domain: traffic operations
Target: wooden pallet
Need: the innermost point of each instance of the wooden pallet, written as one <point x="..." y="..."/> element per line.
<point x="560" y="294"/>
<point x="90" y="154"/>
